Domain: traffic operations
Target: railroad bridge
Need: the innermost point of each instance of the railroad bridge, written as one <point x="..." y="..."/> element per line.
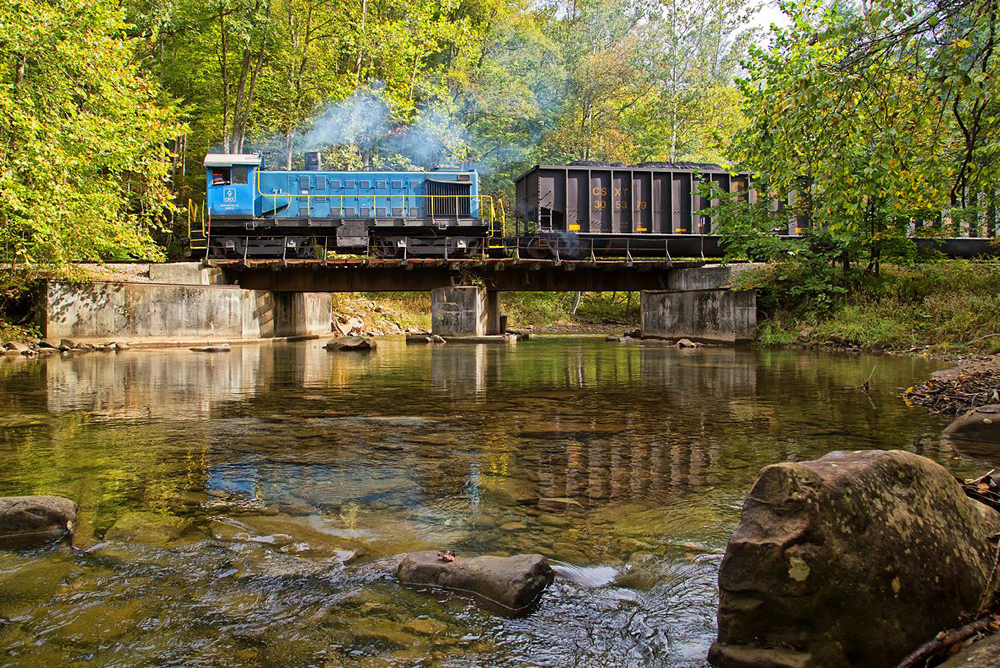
<point x="258" y="299"/>
<point x="680" y="299"/>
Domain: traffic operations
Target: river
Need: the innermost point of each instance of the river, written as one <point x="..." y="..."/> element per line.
<point x="248" y="508"/>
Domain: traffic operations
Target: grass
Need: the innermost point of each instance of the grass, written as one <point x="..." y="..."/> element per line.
<point x="946" y="306"/>
<point x="19" y="333"/>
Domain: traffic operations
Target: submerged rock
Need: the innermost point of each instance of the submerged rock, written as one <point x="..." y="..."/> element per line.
<point x="147" y="528"/>
<point x="980" y="424"/>
<point x="33" y="521"/>
<point x="216" y="348"/>
<point x="512" y="583"/>
<point x="853" y="559"/>
<point x="352" y="344"/>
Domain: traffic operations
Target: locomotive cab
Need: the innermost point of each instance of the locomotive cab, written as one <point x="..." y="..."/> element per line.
<point x="231" y="180"/>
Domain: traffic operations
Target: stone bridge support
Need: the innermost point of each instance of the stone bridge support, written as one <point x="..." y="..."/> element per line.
<point x="713" y="316"/>
<point x="176" y="313"/>
<point x="465" y="311"/>
<point x="700" y="305"/>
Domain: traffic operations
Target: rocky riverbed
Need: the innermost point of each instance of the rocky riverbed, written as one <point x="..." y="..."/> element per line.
<point x="254" y="506"/>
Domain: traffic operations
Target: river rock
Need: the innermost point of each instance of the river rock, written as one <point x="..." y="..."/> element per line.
<point x="853" y="559"/>
<point x="982" y="654"/>
<point x="33" y="521"/>
<point x="352" y="344"/>
<point x="146" y="527"/>
<point x="216" y="348"/>
<point x="980" y="424"/>
<point x="514" y="583"/>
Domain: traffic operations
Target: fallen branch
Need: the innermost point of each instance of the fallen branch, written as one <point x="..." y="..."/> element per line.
<point x="943" y="642"/>
<point x="864" y="387"/>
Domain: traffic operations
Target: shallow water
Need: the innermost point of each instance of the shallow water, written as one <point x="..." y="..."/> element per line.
<point x="250" y="507"/>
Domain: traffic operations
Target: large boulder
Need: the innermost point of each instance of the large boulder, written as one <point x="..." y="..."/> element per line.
<point x="352" y="343"/>
<point x="32" y="521"/>
<point x="980" y="424"/>
<point x="513" y="584"/>
<point x="853" y="559"/>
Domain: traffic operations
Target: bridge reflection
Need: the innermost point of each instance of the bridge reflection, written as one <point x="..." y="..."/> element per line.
<point x="587" y="421"/>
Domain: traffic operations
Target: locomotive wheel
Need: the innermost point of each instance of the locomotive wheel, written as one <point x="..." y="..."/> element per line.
<point x="384" y="248"/>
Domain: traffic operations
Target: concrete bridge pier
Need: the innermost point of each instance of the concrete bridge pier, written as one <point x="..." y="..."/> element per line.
<point x="465" y="312"/>
<point x="712" y="316"/>
<point x="700" y="305"/>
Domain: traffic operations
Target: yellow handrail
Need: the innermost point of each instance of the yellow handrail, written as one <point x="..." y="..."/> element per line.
<point x="197" y="229"/>
<point x="486" y="202"/>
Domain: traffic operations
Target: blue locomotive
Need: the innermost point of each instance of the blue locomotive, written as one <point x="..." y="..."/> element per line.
<point x="253" y="212"/>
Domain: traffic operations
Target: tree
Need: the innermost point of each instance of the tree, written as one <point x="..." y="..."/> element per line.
<point x="877" y="118"/>
<point x="84" y="137"/>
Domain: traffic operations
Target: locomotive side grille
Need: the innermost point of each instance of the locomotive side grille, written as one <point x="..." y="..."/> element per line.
<point x="447" y="198"/>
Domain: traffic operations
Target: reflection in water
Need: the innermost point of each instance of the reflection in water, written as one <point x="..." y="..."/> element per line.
<point x="249" y="507"/>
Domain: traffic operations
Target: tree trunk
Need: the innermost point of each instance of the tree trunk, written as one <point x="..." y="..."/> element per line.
<point x="224" y="75"/>
<point x="361" y="42"/>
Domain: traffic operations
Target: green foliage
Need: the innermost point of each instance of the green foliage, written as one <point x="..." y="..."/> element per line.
<point x="22" y="333"/>
<point x="876" y="118"/>
<point x="525" y="308"/>
<point x="947" y="305"/>
<point x="83" y="154"/>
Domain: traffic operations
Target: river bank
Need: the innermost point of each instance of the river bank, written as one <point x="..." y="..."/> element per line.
<point x="940" y="308"/>
<point x="972" y="382"/>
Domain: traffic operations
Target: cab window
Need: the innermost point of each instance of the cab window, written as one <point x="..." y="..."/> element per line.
<point x="220" y="176"/>
<point x="240" y="175"/>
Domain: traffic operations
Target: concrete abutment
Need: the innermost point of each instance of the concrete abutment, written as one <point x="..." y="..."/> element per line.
<point x="151" y="312"/>
<point x="714" y="316"/>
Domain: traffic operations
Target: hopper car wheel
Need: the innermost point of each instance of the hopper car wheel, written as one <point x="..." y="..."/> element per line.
<point x="538" y="248"/>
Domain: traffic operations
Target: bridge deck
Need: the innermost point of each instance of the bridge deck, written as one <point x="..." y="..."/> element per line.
<point x="421" y="274"/>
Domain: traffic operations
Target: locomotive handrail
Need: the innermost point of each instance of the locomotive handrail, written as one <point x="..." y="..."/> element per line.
<point x="484" y="201"/>
<point x="198" y="230"/>
<point x="481" y="199"/>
